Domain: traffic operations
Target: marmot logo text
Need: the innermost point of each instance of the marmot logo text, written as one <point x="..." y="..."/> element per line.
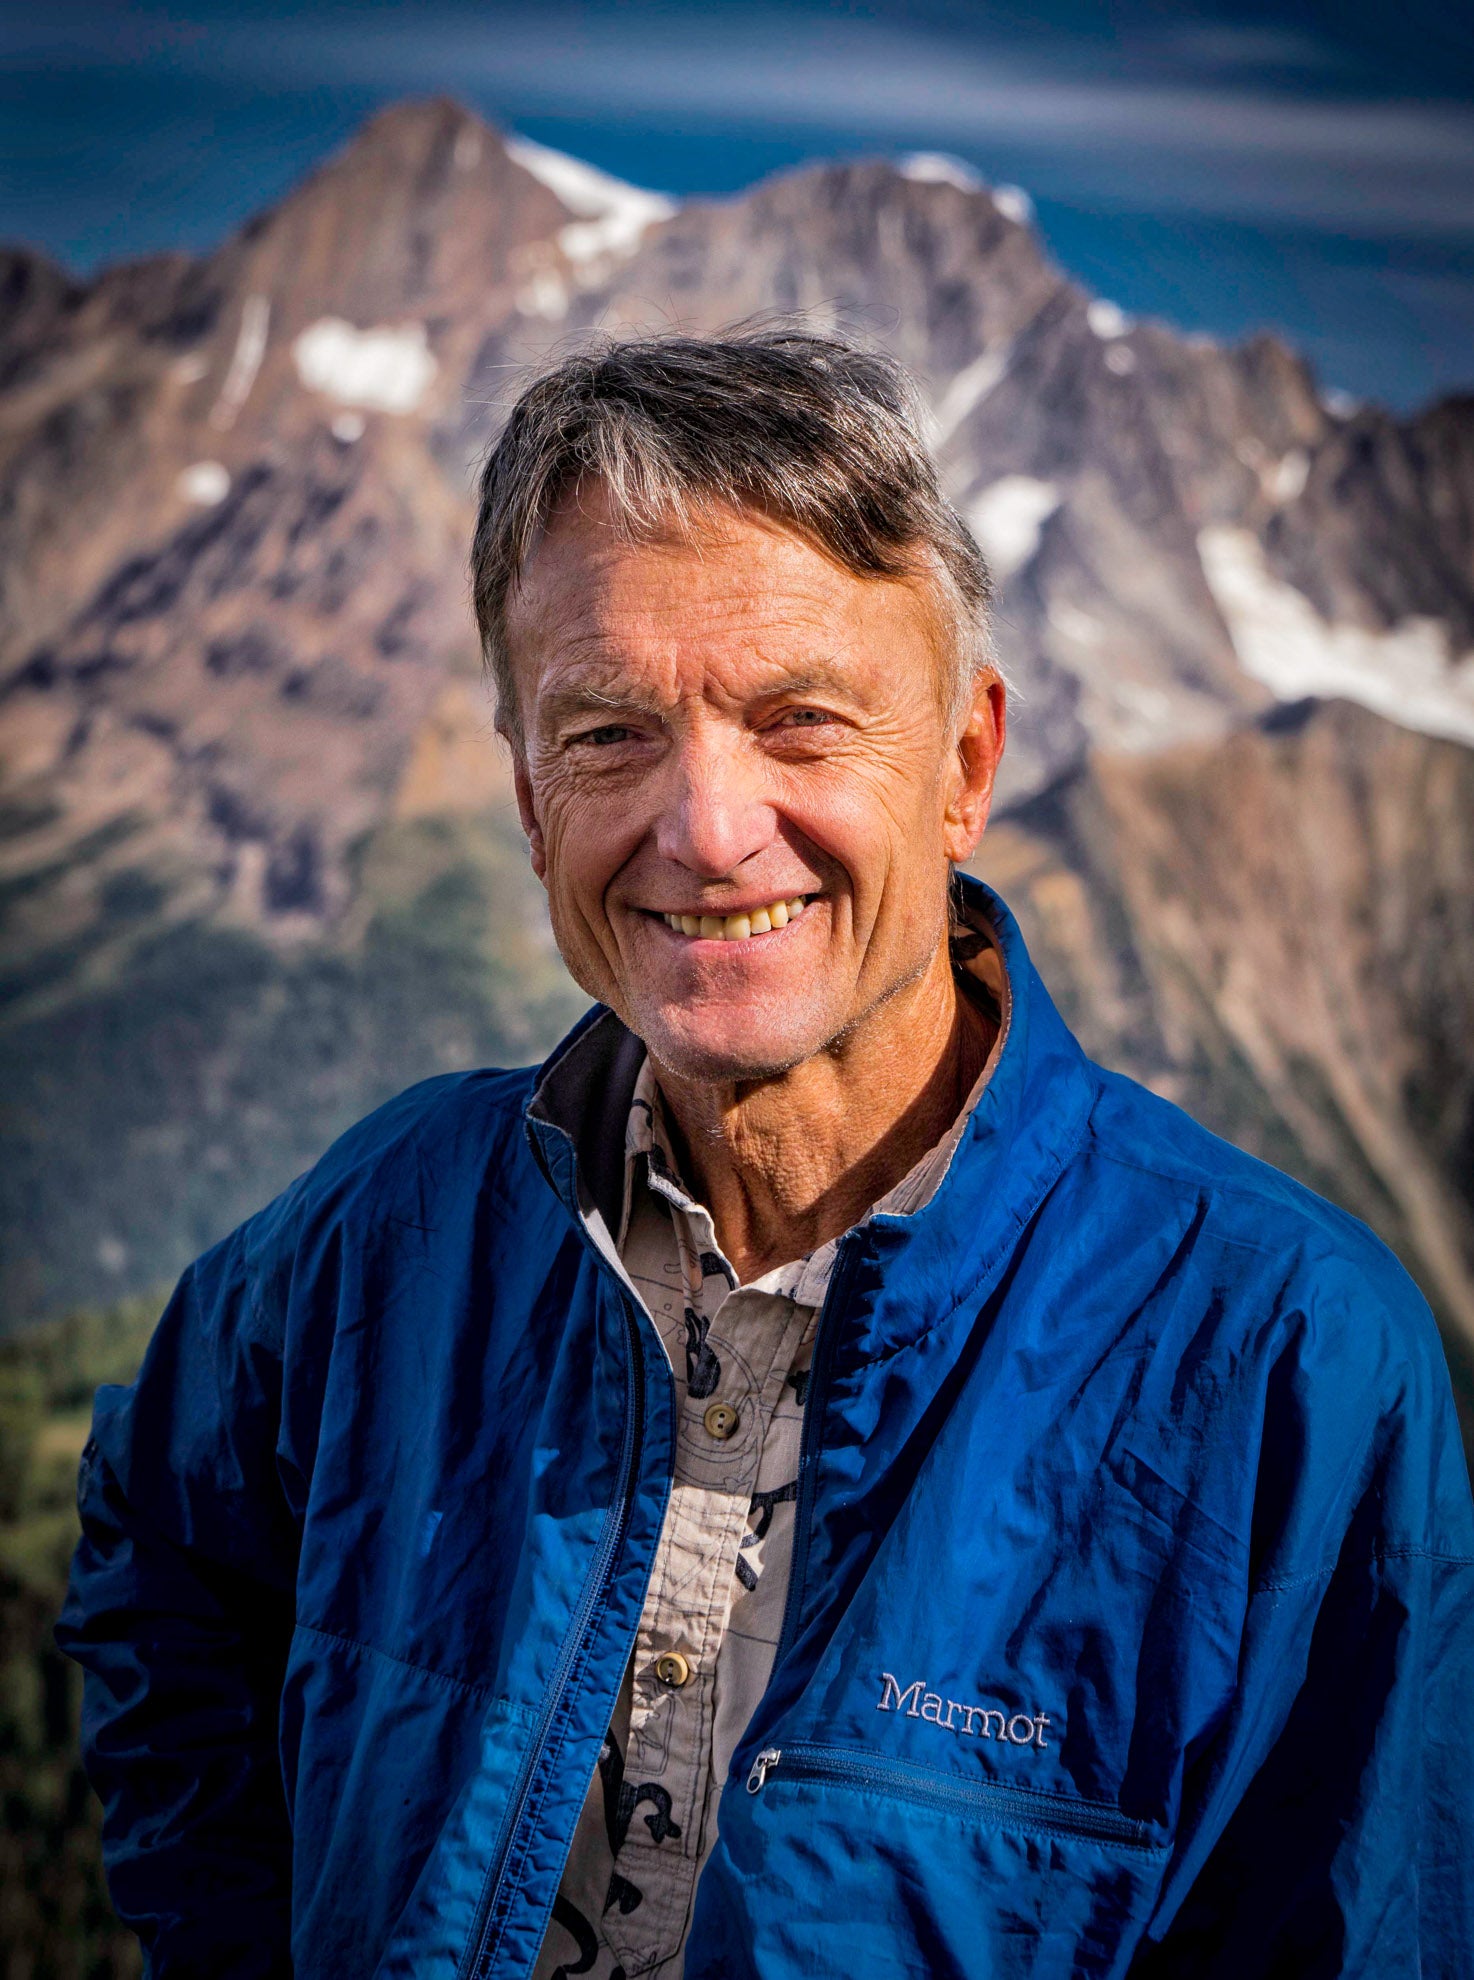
<point x="982" y="1721"/>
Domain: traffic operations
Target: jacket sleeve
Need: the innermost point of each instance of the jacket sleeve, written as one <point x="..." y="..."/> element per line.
<point x="1328" y="1827"/>
<point x="179" y="1610"/>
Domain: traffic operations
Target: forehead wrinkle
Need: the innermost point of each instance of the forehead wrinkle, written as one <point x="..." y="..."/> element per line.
<point x="603" y="582"/>
<point x="598" y="591"/>
<point x="822" y="672"/>
<point x="604" y="682"/>
<point x="673" y="620"/>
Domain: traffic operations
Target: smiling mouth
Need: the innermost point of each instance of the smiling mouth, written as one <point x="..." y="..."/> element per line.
<point x="737" y="927"/>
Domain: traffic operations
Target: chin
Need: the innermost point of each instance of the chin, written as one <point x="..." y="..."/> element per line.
<point x="741" y="1046"/>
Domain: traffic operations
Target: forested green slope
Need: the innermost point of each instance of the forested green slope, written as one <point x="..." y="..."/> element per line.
<point x="55" y="1921"/>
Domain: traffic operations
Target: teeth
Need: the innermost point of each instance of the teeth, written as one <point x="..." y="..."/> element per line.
<point x="737" y="927"/>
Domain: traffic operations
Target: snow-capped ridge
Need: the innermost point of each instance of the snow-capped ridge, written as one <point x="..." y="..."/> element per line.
<point x="943" y="168"/>
<point x="940" y="168"/>
<point x="612" y="215"/>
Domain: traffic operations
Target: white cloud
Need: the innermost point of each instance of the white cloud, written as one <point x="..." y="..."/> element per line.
<point x="1195" y="133"/>
<point x="1226" y="44"/>
<point x="875" y="79"/>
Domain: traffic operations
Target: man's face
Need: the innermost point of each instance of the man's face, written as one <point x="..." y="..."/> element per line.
<point x="718" y="723"/>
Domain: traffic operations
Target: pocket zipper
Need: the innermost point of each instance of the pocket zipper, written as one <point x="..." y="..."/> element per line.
<point x="1034" y="1809"/>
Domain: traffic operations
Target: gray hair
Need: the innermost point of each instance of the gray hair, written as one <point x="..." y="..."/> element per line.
<point x="813" y="432"/>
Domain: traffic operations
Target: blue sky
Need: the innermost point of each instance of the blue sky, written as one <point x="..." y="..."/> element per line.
<point x="1310" y="169"/>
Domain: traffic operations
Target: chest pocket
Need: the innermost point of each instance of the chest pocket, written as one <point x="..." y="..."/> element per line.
<point x="838" y="1861"/>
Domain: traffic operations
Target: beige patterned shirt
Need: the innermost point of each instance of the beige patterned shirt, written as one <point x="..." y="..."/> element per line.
<point x="714" y="1607"/>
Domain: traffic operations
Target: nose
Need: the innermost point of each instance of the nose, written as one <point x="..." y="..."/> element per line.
<point x="715" y="813"/>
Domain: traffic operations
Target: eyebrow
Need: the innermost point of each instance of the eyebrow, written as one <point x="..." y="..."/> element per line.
<point x="565" y="702"/>
<point x="584" y="698"/>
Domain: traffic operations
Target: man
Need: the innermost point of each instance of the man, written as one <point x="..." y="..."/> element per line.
<point x="818" y="1477"/>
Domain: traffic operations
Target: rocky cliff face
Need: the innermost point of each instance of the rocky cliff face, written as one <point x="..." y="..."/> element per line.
<point x="1274" y="932"/>
<point x="248" y="793"/>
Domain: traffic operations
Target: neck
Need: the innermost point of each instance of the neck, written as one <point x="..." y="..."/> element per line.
<point x="784" y="1164"/>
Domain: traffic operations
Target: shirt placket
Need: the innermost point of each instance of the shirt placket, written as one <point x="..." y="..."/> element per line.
<point x="729" y="1345"/>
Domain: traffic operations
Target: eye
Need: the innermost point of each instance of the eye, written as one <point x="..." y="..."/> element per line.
<point x="803" y="718"/>
<point x="611" y="732"/>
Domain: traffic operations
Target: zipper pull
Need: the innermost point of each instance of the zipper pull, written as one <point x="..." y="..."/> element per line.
<point x="764" y="1764"/>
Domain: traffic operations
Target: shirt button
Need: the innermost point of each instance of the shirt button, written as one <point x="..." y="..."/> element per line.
<point x="721" y="1421"/>
<point x="672" y="1669"/>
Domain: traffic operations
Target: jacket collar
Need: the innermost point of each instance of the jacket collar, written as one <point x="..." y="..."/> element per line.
<point x="908" y="1273"/>
<point x="577" y="1113"/>
<point x="905" y="1272"/>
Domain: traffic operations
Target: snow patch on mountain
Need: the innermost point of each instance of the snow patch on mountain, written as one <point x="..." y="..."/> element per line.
<point x="1107" y="319"/>
<point x="1287" y="478"/>
<point x="969" y="388"/>
<point x="940" y="168"/>
<point x="544" y="294"/>
<point x="1339" y="404"/>
<point x="1409" y="674"/>
<point x="387" y="369"/>
<point x="1007" y="519"/>
<point x="1014" y="204"/>
<point x="245" y="361"/>
<point x="612" y="215"/>
<point x="203" y="482"/>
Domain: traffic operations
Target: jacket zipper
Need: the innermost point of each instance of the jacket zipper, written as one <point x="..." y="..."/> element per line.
<point x="803" y="1508"/>
<point x="485" y="1934"/>
<point x="1010" y="1807"/>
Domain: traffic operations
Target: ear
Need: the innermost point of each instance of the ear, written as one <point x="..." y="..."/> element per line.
<point x="979" y="747"/>
<point x="527" y="812"/>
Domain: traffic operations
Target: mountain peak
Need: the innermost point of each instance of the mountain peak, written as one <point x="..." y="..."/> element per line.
<point x="412" y="127"/>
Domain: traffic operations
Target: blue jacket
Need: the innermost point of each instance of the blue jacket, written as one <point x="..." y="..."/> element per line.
<point x="1131" y="1625"/>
